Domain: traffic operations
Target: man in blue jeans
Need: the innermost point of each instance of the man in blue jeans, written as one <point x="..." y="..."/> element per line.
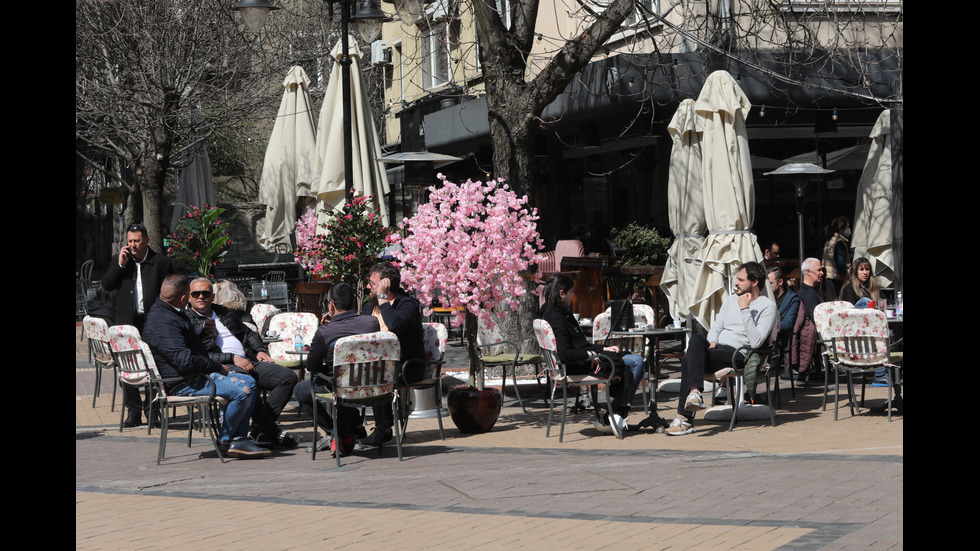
<point x="180" y="354"/>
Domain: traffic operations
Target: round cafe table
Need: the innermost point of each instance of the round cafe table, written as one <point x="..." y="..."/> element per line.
<point x="652" y="336"/>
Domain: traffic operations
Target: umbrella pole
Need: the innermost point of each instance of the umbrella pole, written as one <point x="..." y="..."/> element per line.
<point x="345" y="63"/>
<point x="799" y="219"/>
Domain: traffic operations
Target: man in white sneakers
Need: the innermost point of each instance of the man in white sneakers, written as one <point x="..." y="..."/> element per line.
<point x="745" y="319"/>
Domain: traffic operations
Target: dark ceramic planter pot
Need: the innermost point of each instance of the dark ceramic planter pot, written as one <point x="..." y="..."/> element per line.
<point x="474" y="411"/>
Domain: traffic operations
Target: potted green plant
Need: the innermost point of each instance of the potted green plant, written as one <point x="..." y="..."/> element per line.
<point x="644" y="253"/>
<point x="200" y="238"/>
<point x="346" y="248"/>
<point x="465" y="250"/>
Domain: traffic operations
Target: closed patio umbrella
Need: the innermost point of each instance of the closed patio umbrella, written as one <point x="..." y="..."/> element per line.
<point x="872" y="235"/>
<point x="369" y="177"/>
<point x="729" y="193"/>
<point x="685" y="208"/>
<point x="287" y="171"/>
<point x="194" y="188"/>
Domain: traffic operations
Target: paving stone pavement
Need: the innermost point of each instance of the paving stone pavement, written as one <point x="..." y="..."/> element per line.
<point x="807" y="484"/>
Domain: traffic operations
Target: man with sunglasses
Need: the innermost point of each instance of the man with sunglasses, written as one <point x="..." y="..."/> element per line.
<point x="230" y="342"/>
<point x="184" y="363"/>
<point x="136" y="275"/>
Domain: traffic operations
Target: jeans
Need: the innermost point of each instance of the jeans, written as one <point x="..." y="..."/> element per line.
<point x="237" y="388"/>
<point x="634" y="363"/>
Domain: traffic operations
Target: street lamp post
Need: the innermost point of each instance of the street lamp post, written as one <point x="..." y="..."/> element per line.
<point x="367" y="19"/>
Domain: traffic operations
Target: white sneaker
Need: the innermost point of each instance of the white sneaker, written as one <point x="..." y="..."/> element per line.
<point x="616" y="423"/>
<point x="602" y="425"/>
<point x="694" y="402"/>
<point x="679" y="426"/>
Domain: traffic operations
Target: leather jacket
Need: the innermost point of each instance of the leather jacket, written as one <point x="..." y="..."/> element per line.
<point x="251" y="341"/>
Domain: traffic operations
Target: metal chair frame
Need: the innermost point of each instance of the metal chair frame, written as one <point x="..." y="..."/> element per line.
<point x="132" y="355"/>
<point x="504" y="359"/>
<point x="376" y="378"/>
<point x="101" y="352"/>
<point x="436" y="336"/>
<point x="742" y="359"/>
<point x="556" y="371"/>
<point x="861" y="354"/>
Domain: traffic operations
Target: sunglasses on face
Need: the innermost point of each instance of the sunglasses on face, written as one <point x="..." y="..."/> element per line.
<point x="198" y="294"/>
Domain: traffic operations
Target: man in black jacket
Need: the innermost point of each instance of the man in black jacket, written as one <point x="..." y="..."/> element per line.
<point x="344" y="321"/>
<point x="180" y="357"/>
<point x="136" y="277"/>
<point x="402" y="315"/>
<point x="230" y="342"/>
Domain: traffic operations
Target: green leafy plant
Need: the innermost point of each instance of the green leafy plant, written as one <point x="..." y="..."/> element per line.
<point x="644" y="246"/>
<point x="201" y="238"/>
<point x="349" y="246"/>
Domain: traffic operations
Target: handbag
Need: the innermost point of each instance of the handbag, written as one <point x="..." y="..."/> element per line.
<point x="621" y="315"/>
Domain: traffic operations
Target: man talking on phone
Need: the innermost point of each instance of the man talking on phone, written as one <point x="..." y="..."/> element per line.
<point x="746" y="319"/>
<point x="137" y="274"/>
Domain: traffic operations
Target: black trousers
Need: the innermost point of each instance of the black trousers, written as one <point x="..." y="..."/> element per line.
<point x="697" y="361"/>
<point x="278" y="382"/>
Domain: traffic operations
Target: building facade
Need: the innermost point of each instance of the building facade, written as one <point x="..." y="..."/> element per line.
<point x="817" y="73"/>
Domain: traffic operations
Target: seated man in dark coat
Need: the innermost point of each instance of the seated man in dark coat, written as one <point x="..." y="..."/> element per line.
<point x="180" y="355"/>
<point x="230" y="342"/>
<point x="401" y="314"/>
<point x="344" y="322"/>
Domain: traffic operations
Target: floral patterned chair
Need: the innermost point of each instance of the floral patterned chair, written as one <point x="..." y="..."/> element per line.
<point x="860" y="346"/>
<point x="262" y="313"/>
<point x="97" y="333"/>
<point x="435" y="338"/>
<point x="287" y="325"/>
<point x="826" y="330"/>
<point x="495" y="351"/>
<point x="364" y="369"/>
<point x="137" y="366"/>
<point x="545" y="336"/>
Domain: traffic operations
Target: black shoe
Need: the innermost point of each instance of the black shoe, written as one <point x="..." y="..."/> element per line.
<point x="246" y="449"/>
<point x="377" y="438"/>
<point x="263" y="439"/>
<point x="134" y="419"/>
<point x="288" y="441"/>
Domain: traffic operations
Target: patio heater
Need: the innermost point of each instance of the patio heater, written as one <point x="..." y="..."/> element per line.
<point x="800" y="174"/>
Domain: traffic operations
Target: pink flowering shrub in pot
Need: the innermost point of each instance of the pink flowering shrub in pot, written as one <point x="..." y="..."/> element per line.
<point x="466" y="250"/>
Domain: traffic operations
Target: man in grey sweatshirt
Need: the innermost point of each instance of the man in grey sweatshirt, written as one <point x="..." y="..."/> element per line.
<point x="746" y="319"/>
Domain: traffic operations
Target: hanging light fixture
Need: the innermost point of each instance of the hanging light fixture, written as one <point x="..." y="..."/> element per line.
<point x="409" y="11"/>
<point x="255" y="12"/>
<point x="368" y="19"/>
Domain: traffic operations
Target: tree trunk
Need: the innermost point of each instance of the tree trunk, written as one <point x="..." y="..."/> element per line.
<point x="476" y="378"/>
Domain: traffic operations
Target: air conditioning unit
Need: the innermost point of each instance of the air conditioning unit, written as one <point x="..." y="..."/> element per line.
<point x="380" y="53"/>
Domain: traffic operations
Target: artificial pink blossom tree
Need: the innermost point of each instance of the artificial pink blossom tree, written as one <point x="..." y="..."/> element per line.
<point x="465" y="250"/>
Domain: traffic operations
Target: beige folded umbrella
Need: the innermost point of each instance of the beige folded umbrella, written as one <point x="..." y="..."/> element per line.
<point x="368" y="176"/>
<point x="287" y="171"/>
<point x="685" y="209"/>
<point x="872" y="235"/>
<point x="729" y="193"/>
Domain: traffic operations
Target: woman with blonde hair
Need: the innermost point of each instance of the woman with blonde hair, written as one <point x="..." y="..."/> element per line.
<point x="227" y="294"/>
<point x="861" y="283"/>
